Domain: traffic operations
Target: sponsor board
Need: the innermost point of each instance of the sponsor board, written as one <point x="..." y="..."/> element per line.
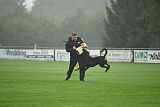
<point x="26" y="54"/>
<point x="12" y="54"/>
<point x="61" y="55"/>
<point x="40" y="54"/>
<point x="119" y="56"/>
<point x="94" y="53"/>
<point x="147" y="56"/>
<point x="142" y="56"/>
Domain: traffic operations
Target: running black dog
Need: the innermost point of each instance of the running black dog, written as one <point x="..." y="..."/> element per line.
<point x="93" y="61"/>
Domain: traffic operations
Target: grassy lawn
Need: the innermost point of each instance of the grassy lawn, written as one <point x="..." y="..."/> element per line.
<point x="41" y="84"/>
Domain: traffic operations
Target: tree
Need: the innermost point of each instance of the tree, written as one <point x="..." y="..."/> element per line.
<point x="126" y="25"/>
<point x="151" y="15"/>
<point x="25" y="29"/>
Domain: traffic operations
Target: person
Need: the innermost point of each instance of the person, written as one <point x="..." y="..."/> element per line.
<point x="71" y="45"/>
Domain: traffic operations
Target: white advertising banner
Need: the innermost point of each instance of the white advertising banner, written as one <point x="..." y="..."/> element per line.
<point x="12" y="54"/>
<point x="62" y="55"/>
<point x="40" y="54"/>
<point x="94" y="53"/>
<point x="147" y="56"/>
<point x="144" y="56"/>
<point x="119" y="56"/>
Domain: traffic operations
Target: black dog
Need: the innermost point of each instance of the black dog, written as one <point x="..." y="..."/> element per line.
<point x="91" y="62"/>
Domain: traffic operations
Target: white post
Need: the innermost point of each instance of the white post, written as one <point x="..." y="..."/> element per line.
<point x="35" y="46"/>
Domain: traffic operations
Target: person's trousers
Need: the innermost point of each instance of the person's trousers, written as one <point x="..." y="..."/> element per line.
<point x="82" y="68"/>
<point x="73" y="62"/>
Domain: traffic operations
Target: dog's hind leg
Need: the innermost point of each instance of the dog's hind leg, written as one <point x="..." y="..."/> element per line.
<point x="107" y="67"/>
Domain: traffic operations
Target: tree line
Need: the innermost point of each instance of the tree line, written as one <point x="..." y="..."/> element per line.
<point x="124" y="24"/>
<point x="133" y="24"/>
<point x="19" y="27"/>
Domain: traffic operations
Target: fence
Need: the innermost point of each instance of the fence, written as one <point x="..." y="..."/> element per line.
<point x="138" y="55"/>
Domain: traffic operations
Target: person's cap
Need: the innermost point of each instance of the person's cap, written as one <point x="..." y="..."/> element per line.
<point x="74" y="33"/>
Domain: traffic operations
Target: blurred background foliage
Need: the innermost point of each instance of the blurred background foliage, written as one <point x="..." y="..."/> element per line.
<point x="101" y="23"/>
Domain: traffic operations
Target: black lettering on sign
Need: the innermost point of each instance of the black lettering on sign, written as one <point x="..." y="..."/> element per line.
<point x="155" y="56"/>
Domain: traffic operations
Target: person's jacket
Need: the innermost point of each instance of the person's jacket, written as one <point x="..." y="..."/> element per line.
<point x="70" y="44"/>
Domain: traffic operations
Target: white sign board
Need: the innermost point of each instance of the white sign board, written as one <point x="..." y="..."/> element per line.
<point x="40" y="54"/>
<point x="12" y="54"/>
<point x="62" y="55"/>
<point x="147" y="56"/>
<point x="94" y="53"/>
<point x="119" y="56"/>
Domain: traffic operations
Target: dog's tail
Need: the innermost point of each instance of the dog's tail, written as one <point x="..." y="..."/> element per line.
<point x="105" y="52"/>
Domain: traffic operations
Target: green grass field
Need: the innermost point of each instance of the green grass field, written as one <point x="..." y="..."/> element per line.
<point x="41" y="84"/>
